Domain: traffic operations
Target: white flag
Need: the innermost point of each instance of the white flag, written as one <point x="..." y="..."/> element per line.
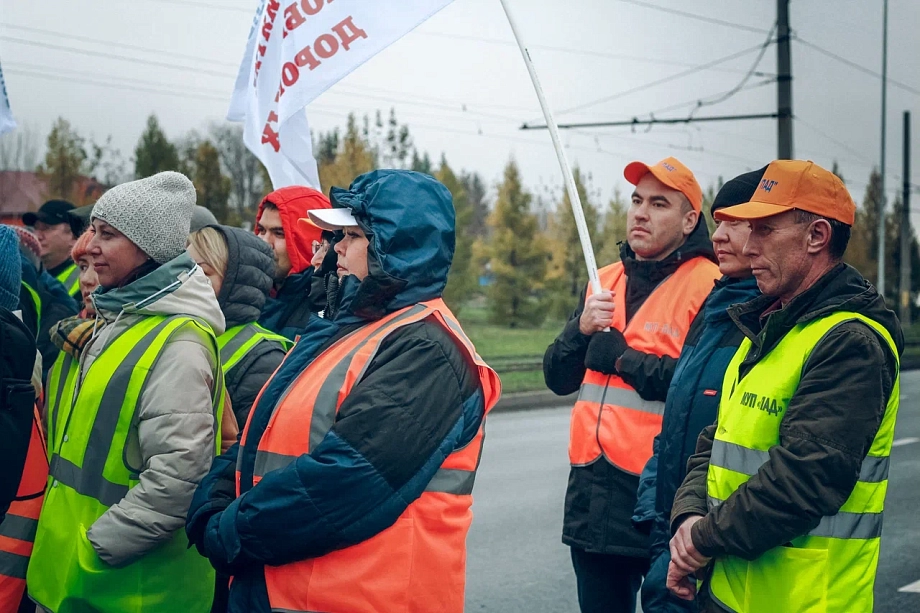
<point x="6" y="115"/>
<point x="296" y="51"/>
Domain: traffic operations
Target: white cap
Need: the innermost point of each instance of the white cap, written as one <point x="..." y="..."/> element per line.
<point x="332" y="219"/>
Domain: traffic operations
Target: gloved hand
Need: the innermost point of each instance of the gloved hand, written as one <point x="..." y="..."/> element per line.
<point x="604" y="350"/>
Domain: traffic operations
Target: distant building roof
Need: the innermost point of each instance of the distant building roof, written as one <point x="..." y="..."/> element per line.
<point x="23" y="191"/>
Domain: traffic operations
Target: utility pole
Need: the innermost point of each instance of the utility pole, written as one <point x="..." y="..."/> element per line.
<point x="783" y="82"/>
<point x="881" y="203"/>
<point x="905" y="229"/>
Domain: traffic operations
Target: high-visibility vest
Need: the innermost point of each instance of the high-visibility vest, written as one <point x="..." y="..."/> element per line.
<point x="419" y="563"/>
<point x="831" y="569"/>
<point x="236" y="342"/>
<point x="70" y="278"/>
<point x="36" y="303"/>
<point x="17" y="530"/>
<point x="610" y="419"/>
<point x="89" y="429"/>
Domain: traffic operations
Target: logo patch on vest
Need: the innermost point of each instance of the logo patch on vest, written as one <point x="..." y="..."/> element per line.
<point x="772" y="406"/>
<point x="662" y="328"/>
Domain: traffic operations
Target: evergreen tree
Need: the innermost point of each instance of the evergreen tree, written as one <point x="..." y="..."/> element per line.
<point x="154" y="153"/>
<point x="614" y="230"/>
<point x="353" y="156"/>
<point x="517" y="256"/>
<point x="476" y="192"/>
<point x="461" y="282"/>
<point x="421" y="163"/>
<point x="862" y="251"/>
<point x="65" y="160"/>
<point x="212" y="186"/>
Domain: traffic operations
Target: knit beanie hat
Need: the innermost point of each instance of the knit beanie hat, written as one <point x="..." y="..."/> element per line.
<point x="81" y="247"/>
<point x="738" y="190"/>
<point x="154" y="213"/>
<point x="10" y="269"/>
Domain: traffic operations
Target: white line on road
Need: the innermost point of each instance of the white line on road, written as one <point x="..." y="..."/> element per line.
<point x="911" y="587"/>
<point x="905" y="441"/>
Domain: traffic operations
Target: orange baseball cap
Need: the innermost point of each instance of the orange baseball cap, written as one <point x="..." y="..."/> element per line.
<point x="670" y="172"/>
<point x="796" y="184"/>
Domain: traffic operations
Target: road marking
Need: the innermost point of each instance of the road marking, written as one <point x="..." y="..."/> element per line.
<point x="911" y="587"/>
<point x="905" y="441"/>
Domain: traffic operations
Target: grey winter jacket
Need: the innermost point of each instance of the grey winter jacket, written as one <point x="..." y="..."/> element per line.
<point x="173" y="434"/>
<point x="247" y="282"/>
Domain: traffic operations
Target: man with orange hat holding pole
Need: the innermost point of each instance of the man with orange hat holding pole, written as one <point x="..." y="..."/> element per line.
<point x="648" y="301"/>
<point x="783" y="501"/>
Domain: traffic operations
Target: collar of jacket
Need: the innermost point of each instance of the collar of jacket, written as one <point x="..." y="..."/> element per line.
<point x="178" y="287"/>
<point x="729" y="291"/>
<point x="840" y="289"/>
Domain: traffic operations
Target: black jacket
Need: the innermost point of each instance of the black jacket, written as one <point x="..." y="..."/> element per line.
<point x="245" y="287"/>
<point x="825" y="432"/>
<point x="600" y="498"/>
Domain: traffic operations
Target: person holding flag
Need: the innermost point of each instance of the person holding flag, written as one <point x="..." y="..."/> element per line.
<point x="354" y="473"/>
<point x="648" y="301"/>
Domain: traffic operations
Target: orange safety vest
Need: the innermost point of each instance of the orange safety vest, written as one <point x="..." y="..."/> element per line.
<point x="419" y="563"/>
<point x="17" y="531"/>
<point x="624" y="430"/>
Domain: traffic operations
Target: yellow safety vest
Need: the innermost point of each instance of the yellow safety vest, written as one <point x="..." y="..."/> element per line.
<point x="832" y="568"/>
<point x="70" y="278"/>
<point x="236" y="342"/>
<point x="88" y="436"/>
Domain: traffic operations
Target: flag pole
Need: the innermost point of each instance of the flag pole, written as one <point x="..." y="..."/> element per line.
<point x="570" y="187"/>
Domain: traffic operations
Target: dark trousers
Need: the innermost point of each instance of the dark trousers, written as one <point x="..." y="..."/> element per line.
<point x="607" y="583"/>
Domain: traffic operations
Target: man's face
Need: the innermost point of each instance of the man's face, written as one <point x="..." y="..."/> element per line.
<point x="778" y="248"/>
<point x="728" y="242"/>
<point x="658" y="221"/>
<point x="270" y="230"/>
<point x="56" y="241"/>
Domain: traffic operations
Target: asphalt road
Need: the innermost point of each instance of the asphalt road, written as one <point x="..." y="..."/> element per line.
<point x="517" y="563"/>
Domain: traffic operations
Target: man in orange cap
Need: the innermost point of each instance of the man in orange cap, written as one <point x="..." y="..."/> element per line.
<point x="622" y="375"/>
<point x="783" y="501"/>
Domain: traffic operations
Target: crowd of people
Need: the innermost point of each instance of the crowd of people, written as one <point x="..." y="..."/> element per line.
<point x="202" y="418"/>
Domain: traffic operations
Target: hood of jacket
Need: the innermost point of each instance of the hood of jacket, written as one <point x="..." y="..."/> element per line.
<point x="178" y="287"/>
<point x="840" y="289"/>
<point x="409" y="219"/>
<point x="293" y="204"/>
<point x="248" y="278"/>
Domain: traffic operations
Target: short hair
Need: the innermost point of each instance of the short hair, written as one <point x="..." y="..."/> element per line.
<point x="212" y="247"/>
<point x="269" y="206"/>
<point x="840" y="232"/>
<point x="685" y="205"/>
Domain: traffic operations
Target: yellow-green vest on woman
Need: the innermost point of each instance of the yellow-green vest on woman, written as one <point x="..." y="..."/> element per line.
<point x="832" y="568"/>
<point x="88" y="434"/>
<point x="236" y="342"/>
<point x="70" y="279"/>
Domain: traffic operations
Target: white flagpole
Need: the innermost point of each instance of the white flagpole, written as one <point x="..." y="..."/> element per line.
<point x="563" y="162"/>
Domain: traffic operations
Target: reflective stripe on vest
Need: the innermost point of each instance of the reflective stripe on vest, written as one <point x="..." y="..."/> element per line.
<point x="36" y="304"/>
<point x="830" y="569"/>
<point x="623" y="430"/>
<point x="420" y="560"/>
<point x="18" y="528"/>
<point x="70" y="279"/>
<point x="93" y="446"/>
<point x="236" y="342"/>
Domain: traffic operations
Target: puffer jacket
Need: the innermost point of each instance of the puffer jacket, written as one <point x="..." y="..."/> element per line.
<point x="174" y="433"/>
<point x="600" y="497"/>
<point x="825" y="431"/>
<point x="290" y="306"/>
<point x="362" y="476"/>
<point x="692" y="405"/>
<point x="246" y="284"/>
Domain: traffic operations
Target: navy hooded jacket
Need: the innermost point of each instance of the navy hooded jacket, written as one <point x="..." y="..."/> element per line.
<point x="418" y="401"/>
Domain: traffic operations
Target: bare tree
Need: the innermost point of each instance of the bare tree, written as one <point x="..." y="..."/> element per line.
<point x="243" y="168"/>
<point x="19" y="149"/>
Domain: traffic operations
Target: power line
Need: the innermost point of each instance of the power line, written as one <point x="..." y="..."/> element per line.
<point x="720" y="22"/>
<point x="856" y="66"/>
<point x="661" y="81"/>
<point x="110" y="56"/>
<point x="88" y="39"/>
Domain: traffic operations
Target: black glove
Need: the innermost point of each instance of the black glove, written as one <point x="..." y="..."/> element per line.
<point x="604" y="350"/>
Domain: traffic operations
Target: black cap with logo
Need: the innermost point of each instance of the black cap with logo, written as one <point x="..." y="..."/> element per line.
<point x="53" y="212"/>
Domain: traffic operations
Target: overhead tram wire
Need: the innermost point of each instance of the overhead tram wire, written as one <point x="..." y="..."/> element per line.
<point x="856" y="66"/>
<point x="698" y="17"/>
<point x="661" y="81"/>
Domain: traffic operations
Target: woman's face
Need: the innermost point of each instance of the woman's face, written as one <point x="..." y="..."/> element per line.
<point x="88" y="280"/>
<point x="114" y="255"/>
<point x="216" y="277"/>
<point x="352" y="250"/>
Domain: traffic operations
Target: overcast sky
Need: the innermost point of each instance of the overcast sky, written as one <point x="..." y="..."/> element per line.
<point x="460" y="84"/>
